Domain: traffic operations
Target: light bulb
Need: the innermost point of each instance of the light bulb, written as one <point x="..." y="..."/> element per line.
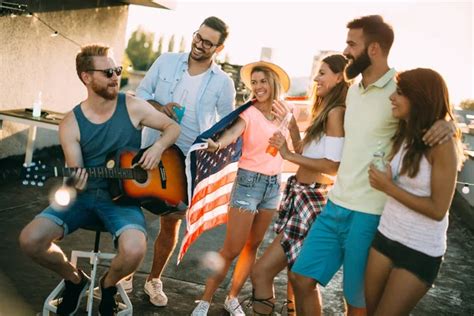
<point x="465" y="189"/>
<point x="62" y="197"/>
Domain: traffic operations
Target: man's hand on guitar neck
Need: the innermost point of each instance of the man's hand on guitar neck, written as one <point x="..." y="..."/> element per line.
<point x="152" y="156"/>
<point x="79" y="179"/>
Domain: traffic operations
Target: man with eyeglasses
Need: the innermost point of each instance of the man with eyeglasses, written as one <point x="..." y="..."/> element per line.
<point x="103" y="123"/>
<point x="192" y="82"/>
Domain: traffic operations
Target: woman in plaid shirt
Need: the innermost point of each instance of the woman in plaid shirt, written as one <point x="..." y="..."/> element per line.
<point x="318" y="155"/>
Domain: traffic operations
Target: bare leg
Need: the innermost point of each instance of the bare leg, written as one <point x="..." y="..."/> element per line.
<point x="402" y="292"/>
<point x="307" y="298"/>
<point x="247" y="256"/>
<point x="264" y="271"/>
<point x="36" y="241"/>
<point x="355" y="311"/>
<point x="165" y="244"/>
<point x="376" y="276"/>
<point x="290" y="298"/>
<point x="238" y="229"/>
<point x="131" y="251"/>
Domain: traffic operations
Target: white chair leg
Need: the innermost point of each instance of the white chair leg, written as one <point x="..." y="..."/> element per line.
<point x="50" y="304"/>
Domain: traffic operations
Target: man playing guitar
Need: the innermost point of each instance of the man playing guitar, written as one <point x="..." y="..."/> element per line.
<point x="106" y="121"/>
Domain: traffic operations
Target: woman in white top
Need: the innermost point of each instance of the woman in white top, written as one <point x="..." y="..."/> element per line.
<point x="318" y="156"/>
<point x="409" y="245"/>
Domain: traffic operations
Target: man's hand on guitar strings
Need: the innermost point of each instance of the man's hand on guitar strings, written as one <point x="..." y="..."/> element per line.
<point x="151" y="157"/>
<point x="79" y="179"/>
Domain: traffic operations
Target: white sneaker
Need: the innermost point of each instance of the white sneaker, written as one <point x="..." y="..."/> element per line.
<point x="201" y="309"/>
<point x="127" y="285"/>
<point x="154" y="289"/>
<point x="232" y="305"/>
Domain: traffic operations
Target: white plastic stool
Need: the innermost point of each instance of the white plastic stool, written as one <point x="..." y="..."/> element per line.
<point x="95" y="256"/>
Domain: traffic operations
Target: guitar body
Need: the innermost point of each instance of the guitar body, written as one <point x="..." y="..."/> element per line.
<point x="165" y="185"/>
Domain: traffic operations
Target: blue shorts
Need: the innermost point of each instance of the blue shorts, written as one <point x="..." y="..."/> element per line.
<point x="253" y="191"/>
<point x="95" y="208"/>
<point x="339" y="236"/>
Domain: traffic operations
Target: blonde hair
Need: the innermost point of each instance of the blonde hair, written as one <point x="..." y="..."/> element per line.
<point x="85" y="58"/>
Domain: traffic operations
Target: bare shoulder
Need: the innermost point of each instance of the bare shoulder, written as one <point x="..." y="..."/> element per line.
<point x="335" y="122"/>
<point x="443" y="153"/>
<point x="134" y="102"/>
<point x="69" y="128"/>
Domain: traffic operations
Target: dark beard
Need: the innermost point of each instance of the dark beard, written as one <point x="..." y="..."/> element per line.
<point x="104" y="92"/>
<point x="358" y="65"/>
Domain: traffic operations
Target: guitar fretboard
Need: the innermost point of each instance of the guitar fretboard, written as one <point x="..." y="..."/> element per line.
<point x="99" y="172"/>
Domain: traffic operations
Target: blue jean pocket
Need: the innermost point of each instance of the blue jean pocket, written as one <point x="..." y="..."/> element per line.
<point x="246" y="179"/>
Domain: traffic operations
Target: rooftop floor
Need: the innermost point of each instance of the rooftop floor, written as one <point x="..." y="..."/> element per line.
<point x="24" y="285"/>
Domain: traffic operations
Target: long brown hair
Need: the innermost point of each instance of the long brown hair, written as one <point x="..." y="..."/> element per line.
<point x="323" y="105"/>
<point x="429" y="101"/>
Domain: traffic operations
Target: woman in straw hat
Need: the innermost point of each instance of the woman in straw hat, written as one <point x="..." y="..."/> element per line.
<point x="256" y="192"/>
<point x="318" y="156"/>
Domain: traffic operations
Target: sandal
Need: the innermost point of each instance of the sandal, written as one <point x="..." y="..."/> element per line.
<point x="289" y="310"/>
<point x="267" y="302"/>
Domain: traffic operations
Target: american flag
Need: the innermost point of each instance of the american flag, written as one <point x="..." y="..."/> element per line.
<point x="210" y="180"/>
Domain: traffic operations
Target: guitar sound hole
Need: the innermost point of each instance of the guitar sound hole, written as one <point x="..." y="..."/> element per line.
<point x="140" y="175"/>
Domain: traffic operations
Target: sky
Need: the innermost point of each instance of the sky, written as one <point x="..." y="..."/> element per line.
<point x="431" y="34"/>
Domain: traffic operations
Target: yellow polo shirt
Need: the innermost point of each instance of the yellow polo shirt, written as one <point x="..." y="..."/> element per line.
<point x="368" y="121"/>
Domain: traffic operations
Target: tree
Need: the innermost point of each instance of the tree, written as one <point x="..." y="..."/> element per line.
<point x="467" y="104"/>
<point x="171" y="44"/>
<point x="182" y="45"/>
<point x="159" y="51"/>
<point x="140" y="49"/>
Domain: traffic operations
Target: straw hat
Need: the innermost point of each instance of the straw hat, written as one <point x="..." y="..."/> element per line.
<point x="246" y="71"/>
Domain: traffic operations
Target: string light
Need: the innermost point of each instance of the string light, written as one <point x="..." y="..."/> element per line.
<point x="15" y="9"/>
<point x="465" y="189"/>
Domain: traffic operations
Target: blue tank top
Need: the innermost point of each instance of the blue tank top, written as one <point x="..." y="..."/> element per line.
<point x="98" y="140"/>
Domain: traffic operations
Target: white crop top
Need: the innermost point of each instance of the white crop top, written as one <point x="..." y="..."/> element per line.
<point x="328" y="147"/>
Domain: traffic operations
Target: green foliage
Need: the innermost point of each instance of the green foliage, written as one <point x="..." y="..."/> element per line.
<point x="171" y="44"/>
<point x="467" y="104"/>
<point x="140" y="49"/>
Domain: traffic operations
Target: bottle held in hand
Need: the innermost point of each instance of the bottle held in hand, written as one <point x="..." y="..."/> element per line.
<point x="378" y="159"/>
<point x="179" y="110"/>
<point x="283" y="128"/>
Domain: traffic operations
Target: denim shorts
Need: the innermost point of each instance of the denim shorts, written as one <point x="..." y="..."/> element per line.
<point x="423" y="266"/>
<point x="253" y="191"/>
<point x="339" y="236"/>
<point x="95" y="208"/>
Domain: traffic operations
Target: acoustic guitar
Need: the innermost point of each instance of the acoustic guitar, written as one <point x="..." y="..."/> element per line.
<point x="162" y="190"/>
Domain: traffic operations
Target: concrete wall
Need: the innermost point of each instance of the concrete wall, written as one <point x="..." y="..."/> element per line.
<point x="31" y="61"/>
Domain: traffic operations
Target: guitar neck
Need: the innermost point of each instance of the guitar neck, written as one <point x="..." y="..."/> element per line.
<point x="99" y="172"/>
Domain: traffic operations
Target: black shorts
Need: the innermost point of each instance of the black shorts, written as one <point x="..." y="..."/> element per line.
<point x="423" y="266"/>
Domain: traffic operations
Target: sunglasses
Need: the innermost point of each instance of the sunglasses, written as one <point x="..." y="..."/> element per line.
<point x="207" y="44"/>
<point x="110" y="71"/>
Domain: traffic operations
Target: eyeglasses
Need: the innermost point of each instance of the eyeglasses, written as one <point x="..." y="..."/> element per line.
<point x="207" y="44"/>
<point x="109" y="72"/>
